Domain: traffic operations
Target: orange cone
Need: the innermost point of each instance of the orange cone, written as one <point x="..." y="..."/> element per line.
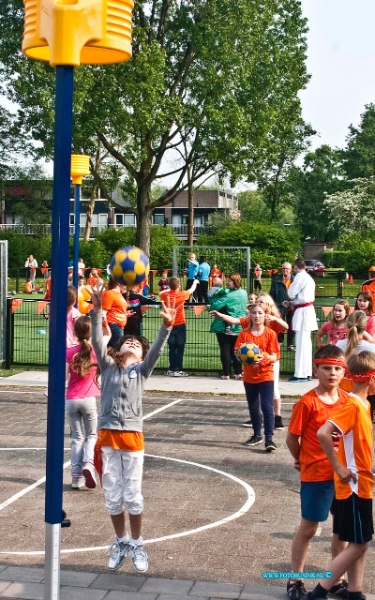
<point x="351" y="279"/>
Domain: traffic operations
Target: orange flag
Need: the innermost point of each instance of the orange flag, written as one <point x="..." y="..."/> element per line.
<point x="269" y="271"/>
<point x="144" y="308"/>
<point x="154" y="271"/>
<point x="198" y="310"/>
<point x="327" y="310"/>
<point x="15" y="304"/>
<point x="40" y="306"/>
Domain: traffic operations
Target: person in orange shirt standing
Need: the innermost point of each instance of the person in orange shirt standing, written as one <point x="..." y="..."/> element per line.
<point x="114" y="310"/>
<point x="316" y="472"/>
<point x="258" y="378"/>
<point x="175" y="298"/>
<point x="354" y="480"/>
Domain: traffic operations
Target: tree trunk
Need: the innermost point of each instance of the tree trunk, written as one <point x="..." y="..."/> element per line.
<point x="190" y="238"/>
<point x="90" y="210"/>
<point x="144" y="220"/>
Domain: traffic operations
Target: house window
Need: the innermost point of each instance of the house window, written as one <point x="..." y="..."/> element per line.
<point x="119" y="219"/>
<point x="159" y="219"/>
<point x="129" y="220"/>
<point x="71" y="219"/>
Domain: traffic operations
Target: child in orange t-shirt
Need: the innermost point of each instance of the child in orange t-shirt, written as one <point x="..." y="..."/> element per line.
<point x="354" y="480"/>
<point x="258" y="377"/>
<point x="316" y="472"/>
<point x="114" y="310"/>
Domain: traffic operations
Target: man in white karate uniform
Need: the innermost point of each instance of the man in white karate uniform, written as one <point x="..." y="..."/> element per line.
<point x="301" y="295"/>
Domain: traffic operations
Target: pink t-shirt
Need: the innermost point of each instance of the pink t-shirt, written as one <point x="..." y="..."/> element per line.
<point x="78" y="386"/>
<point x="334" y="334"/>
<point x="370" y="328"/>
<point x="72" y="315"/>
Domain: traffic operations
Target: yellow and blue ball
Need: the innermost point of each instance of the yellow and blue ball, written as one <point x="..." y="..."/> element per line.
<point x="129" y="266"/>
<point x="249" y="353"/>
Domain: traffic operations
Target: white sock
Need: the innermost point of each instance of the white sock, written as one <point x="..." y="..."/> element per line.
<point x="137" y="542"/>
<point x="125" y="539"/>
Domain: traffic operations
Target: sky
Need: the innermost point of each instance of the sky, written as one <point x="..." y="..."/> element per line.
<point x="341" y="61"/>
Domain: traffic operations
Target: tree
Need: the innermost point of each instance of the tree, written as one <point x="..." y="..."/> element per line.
<point x="220" y="75"/>
<point x="285" y="146"/>
<point x="359" y="156"/>
<point x="308" y="185"/>
<point x="28" y="193"/>
<point x="352" y="210"/>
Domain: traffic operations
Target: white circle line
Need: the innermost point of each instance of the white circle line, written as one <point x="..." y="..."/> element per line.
<point x="244" y="509"/>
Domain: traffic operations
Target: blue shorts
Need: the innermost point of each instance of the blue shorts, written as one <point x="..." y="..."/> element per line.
<point x="316" y="499"/>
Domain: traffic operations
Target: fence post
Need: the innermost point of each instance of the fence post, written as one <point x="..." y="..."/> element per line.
<point x="8" y="338"/>
<point x="340" y="283"/>
<point x="17" y="282"/>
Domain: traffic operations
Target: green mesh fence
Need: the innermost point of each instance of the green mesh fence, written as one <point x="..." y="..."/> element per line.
<point x="28" y="336"/>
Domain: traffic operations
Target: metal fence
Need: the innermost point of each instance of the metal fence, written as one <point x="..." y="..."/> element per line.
<point x="28" y="329"/>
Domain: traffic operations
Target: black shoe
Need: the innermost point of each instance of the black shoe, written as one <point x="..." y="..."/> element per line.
<point x="296" y="590"/>
<point x="297" y="379"/>
<point x="339" y="590"/>
<point x="254" y="440"/>
<point x="291" y="348"/>
<point x="270" y="445"/>
<point x="278" y="423"/>
<point x="247" y="424"/>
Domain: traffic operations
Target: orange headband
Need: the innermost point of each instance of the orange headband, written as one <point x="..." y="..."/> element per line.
<point x="360" y="378"/>
<point x="340" y="362"/>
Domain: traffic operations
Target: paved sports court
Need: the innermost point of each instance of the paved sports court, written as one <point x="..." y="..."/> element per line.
<point x="214" y="510"/>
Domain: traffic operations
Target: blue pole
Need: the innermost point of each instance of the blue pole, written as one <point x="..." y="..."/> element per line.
<point x="60" y="258"/>
<point x="77" y="219"/>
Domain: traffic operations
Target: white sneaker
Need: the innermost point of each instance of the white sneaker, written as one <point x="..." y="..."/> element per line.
<point x="89" y="475"/>
<point x="140" y="558"/>
<point x="169" y="373"/>
<point x="117" y="552"/>
<point x="78" y="483"/>
<point x="180" y="374"/>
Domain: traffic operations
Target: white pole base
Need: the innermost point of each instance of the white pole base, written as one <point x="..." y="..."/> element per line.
<point x="52" y="562"/>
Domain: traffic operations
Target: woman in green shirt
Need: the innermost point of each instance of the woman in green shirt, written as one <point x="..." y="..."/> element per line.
<point x="231" y="300"/>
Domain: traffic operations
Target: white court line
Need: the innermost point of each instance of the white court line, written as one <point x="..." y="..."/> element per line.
<point x="42" y="480"/>
<point x="244" y="509"/>
<point x="28" y="489"/>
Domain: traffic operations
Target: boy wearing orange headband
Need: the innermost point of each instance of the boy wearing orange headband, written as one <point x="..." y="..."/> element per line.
<point x="316" y="472"/>
<point x="352" y="510"/>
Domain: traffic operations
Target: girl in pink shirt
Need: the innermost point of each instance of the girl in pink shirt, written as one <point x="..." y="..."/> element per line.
<point x="72" y="314"/>
<point x="80" y="404"/>
<point x="336" y="329"/>
<point x="364" y="302"/>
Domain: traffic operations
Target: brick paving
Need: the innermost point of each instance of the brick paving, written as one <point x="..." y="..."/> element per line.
<point x="221" y="562"/>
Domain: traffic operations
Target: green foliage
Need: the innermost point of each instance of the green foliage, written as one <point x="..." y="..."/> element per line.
<point x="113" y="239"/>
<point x="94" y="253"/>
<point x="21" y="246"/>
<point x="353" y="209"/>
<point x="162" y="241"/>
<point x="321" y="174"/>
<point x="335" y="259"/>
<point x="270" y="245"/>
<point x="359" y="155"/>
<point x="357" y="250"/>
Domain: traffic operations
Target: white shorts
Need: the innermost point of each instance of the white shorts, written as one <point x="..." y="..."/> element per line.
<point x="122" y="480"/>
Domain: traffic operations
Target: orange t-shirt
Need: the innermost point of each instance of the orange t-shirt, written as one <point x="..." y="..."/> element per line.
<point x="215" y="273"/>
<point x="355" y="447"/>
<point x="28" y="287"/>
<point x="176" y="299"/>
<point x="267" y="342"/>
<point x="131" y="441"/>
<point x="309" y="414"/>
<point x="245" y="324"/>
<point x="116" y="307"/>
<point x="83" y="296"/>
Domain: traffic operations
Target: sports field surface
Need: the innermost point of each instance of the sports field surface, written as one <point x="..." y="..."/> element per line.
<point x="215" y="510"/>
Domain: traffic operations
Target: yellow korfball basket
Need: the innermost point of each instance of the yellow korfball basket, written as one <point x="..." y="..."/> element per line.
<point x="74" y="32"/>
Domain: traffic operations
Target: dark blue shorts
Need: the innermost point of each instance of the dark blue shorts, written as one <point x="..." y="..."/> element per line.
<point x="316" y="500"/>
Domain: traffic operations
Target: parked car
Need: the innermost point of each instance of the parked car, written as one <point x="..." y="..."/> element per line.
<point x="315" y="268"/>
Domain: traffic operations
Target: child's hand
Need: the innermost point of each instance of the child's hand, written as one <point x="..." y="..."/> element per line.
<point x="215" y="313"/>
<point x="345" y="475"/>
<point x="96" y="298"/>
<point x="168" y="314"/>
